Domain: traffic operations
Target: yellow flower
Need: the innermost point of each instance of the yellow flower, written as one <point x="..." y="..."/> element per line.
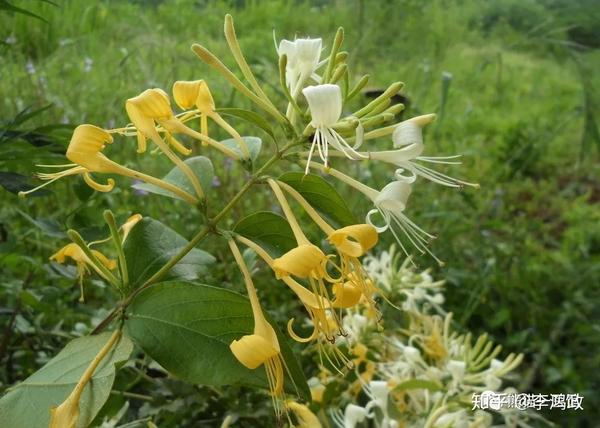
<point x="304" y="261"/>
<point x="306" y="418"/>
<point x="188" y="94"/>
<point x="150" y="107"/>
<point x="153" y="107"/>
<point x="326" y="325"/>
<point x="83" y="262"/>
<point x="355" y="240"/>
<point x="85" y="150"/>
<point x="351" y="242"/>
<point x="261" y="347"/>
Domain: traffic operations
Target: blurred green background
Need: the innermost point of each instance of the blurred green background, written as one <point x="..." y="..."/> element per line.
<point x="516" y="88"/>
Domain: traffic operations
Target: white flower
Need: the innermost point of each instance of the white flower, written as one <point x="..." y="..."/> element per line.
<point x="302" y="61"/>
<point x="325" y="105"/>
<point x="390" y="203"/>
<point x="408" y="139"/>
<point x="354" y="414"/>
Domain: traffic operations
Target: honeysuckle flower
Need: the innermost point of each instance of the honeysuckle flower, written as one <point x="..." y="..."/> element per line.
<point x="74" y="252"/>
<point x="390" y="203"/>
<point x="306" y="418"/>
<point x="324" y="323"/>
<point x="418" y="290"/>
<point x="351" y="242"/>
<point x="153" y="107"/>
<point x="306" y="261"/>
<point x="325" y="105"/>
<point x="408" y="138"/>
<point x="303" y="57"/>
<point x="196" y="93"/>
<point x="261" y="347"/>
<point x="85" y="150"/>
<point x="66" y="414"/>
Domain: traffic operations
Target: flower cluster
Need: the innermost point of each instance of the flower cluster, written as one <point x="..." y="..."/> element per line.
<point x="422" y="373"/>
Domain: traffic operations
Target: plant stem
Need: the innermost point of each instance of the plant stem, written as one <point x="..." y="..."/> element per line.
<point x="201" y="234"/>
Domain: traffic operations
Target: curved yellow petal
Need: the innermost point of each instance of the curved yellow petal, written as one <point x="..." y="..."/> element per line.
<point x="85" y="148"/>
<point x="205" y="101"/>
<point x="110" y="183"/>
<point x="253" y="350"/>
<point x="185" y="93"/>
<point x="153" y="103"/>
<point x="354" y="240"/>
<point x="71" y="251"/>
<point x="303" y="261"/>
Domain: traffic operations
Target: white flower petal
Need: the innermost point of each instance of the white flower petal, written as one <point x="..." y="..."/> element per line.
<point x="325" y="104"/>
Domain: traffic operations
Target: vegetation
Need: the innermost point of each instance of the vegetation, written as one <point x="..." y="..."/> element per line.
<point x="512" y="84"/>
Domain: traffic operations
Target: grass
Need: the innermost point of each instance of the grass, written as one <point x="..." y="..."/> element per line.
<point x="522" y="253"/>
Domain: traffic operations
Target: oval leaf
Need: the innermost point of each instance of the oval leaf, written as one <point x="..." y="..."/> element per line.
<point x="187" y="328"/>
<point x="200" y="165"/>
<point x="322" y="196"/>
<point x="271" y="231"/>
<point x="151" y="244"/>
<point x="28" y="404"/>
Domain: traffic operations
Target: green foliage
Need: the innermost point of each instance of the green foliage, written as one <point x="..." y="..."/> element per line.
<point x="271" y="231"/>
<point x="322" y="196"/>
<point x="200" y="165"/>
<point x="27" y="404"/>
<point x="517" y="108"/>
<point x="151" y="244"/>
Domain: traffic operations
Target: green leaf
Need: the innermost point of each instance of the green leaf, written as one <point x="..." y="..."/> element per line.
<point x="187" y="328"/>
<point x="200" y="165"/>
<point x="254" y="144"/>
<point x="271" y="231"/>
<point x="322" y="196"/>
<point x="151" y="244"/>
<point x="48" y="226"/>
<point x="249" y="116"/>
<point x="418" y="384"/>
<point x="28" y="404"/>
